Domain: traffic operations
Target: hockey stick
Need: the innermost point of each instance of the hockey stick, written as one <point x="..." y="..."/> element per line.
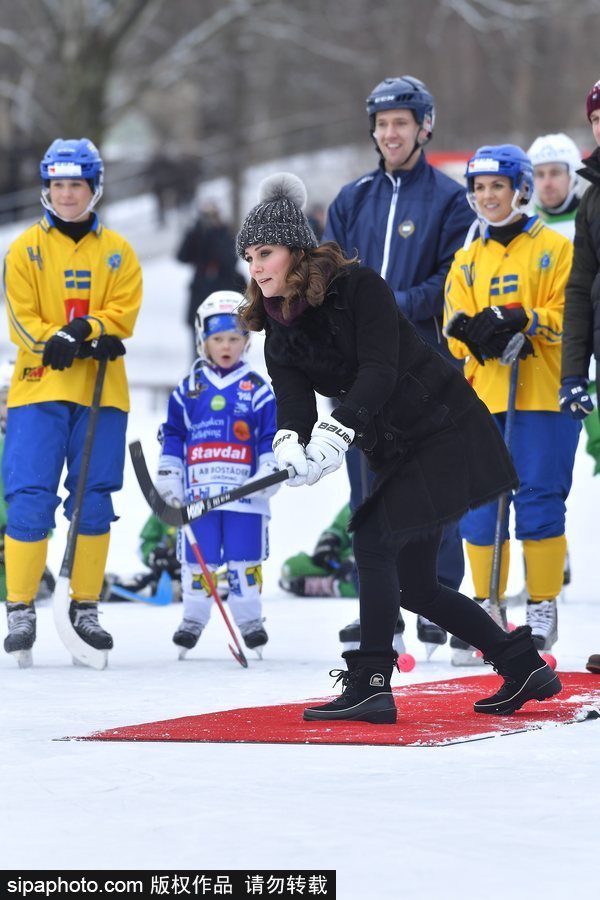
<point x="183" y="515"/>
<point x="509" y="357"/>
<point x="161" y="597"/>
<point x="191" y="539"/>
<point x="78" y="648"/>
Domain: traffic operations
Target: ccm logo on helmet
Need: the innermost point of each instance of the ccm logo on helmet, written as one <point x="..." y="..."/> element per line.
<point x="327" y="426"/>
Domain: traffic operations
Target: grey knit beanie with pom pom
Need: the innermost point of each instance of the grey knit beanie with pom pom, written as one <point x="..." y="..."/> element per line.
<point x="278" y="217"/>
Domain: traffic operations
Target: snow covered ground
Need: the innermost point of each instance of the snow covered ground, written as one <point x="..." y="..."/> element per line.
<point x="512" y="817"/>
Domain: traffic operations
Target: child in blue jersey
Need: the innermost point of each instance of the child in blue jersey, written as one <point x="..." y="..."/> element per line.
<point x="218" y="435"/>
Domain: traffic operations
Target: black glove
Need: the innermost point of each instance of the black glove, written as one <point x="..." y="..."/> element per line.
<point x="457" y="328"/>
<point x="327" y="552"/>
<point x="163" y="559"/>
<point x="495" y="348"/>
<point x="61" y="349"/>
<point x="494" y="319"/>
<point x="107" y="346"/>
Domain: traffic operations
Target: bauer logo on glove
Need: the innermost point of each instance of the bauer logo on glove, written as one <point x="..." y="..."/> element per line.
<point x="328" y="425"/>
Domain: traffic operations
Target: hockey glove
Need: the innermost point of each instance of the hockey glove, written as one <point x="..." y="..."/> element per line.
<point x="267" y="465"/>
<point x="108" y="346"/>
<point x="289" y="452"/>
<point x="327" y="447"/>
<point x="574" y="398"/>
<point x="61" y="349"/>
<point x="502" y="346"/>
<point x="170" y="480"/>
<point x="494" y="319"/>
<point x="456" y="327"/>
<point x="327" y="552"/>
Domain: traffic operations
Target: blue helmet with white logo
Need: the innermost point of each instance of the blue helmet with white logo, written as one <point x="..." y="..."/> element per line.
<point x="405" y="92"/>
<point x="72" y="159"/>
<point x="503" y="159"/>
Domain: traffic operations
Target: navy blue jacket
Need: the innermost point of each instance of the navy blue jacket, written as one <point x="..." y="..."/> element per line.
<point x="407" y="226"/>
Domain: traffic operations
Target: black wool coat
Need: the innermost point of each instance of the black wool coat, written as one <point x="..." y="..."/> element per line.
<point x="433" y="444"/>
<point x="581" y="324"/>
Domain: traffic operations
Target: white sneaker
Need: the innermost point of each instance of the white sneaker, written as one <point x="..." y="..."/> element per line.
<point x="543" y="621"/>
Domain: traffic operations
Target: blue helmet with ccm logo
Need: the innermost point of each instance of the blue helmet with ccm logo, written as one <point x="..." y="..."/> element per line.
<point x="404" y="92"/>
<point x="73" y="159"/>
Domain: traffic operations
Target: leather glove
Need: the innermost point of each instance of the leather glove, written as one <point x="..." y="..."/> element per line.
<point x="456" y="327"/>
<point x="267" y="465"/>
<point x="289" y="451"/>
<point x="327" y="551"/>
<point x="573" y="397"/>
<point x="107" y="346"/>
<point x="61" y="349"/>
<point x="327" y="447"/>
<point x="494" y="319"/>
<point x="170" y="480"/>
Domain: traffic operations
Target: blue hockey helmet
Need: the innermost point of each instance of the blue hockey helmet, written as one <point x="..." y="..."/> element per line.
<point x="73" y="159"/>
<point x="503" y="159"/>
<point x="404" y="92"/>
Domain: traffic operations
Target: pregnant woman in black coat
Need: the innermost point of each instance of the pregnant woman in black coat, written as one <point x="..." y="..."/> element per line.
<point x="333" y="327"/>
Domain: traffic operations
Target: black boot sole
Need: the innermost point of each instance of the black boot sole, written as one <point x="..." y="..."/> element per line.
<point x="378" y="710"/>
<point x="541" y="685"/>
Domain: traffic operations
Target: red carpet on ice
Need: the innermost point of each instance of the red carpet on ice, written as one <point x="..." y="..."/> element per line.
<point x="431" y="714"/>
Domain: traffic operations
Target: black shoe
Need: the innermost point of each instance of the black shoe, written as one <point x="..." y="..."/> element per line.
<point x="84" y="619"/>
<point x="430" y="633"/>
<point x="526" y="676"/>
<point x="367" y="695"/>
<point x="593" y="664"/>
<point x="351" y="633"/>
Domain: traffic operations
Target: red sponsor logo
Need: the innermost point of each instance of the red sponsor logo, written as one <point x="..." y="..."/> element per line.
<point x="214" y="452"/>
<point x="32" y="374"/>
<point x="246" y="385"/>
<point x="76" y="308"/>
<point x="241" y="430"/>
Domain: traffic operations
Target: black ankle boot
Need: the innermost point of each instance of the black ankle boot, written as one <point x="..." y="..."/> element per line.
<point x="367" y="695"/>
<point x="526" y="675"/>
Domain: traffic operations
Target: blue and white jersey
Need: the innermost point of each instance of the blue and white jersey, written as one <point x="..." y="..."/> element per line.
<point x="220" y="425"/>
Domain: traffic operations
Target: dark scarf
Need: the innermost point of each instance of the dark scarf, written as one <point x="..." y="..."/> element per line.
<point x="273" y="309"/>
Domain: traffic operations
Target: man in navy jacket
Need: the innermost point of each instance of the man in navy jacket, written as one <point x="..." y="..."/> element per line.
<point x="406" y="220"/>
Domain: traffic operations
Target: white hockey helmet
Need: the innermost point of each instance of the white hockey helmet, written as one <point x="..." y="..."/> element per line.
<point x="556" y="148"/>
<point x="219" y="312"/>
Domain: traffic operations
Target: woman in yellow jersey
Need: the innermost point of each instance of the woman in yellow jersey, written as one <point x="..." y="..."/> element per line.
<point x="73" y="291"/>
<point x="511" y="278"/>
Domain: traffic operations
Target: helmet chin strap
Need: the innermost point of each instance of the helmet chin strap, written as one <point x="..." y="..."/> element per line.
<point x="557" y="210"/>
<point x="417" y="145"/>
<point x="514" y="204"/>
<point x="83" y="215"/>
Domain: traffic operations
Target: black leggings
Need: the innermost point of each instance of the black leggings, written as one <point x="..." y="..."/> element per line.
<point x="396" y="571"/>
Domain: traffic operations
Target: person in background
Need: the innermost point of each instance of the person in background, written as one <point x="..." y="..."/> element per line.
<point x="209" y="246"/>
<point x="73" y="292"/>
<point x="217" y="436"/>
<point x="511" y="279"/>
<point x="556" y="185"/>
<point x="328" y="571"/>
<point x="405" y="219"/>
<point x="581" y="327"/>
<point x="333" y="327"/>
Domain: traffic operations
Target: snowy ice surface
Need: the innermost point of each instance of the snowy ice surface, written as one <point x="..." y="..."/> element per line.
<point x="510" y="817"/>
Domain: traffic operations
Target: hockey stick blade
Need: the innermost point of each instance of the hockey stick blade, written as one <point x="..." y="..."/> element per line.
<point x="162" y="596"/>
<point x="183" y="515"/>
<point x="79" y="650"/>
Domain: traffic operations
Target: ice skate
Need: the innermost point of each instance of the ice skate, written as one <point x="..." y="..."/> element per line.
<point x="430" y="634"/>
<point x="465" y="655"/>
<point x="350" y="635"/>
<point x="542" y="619"/>
<point x="367" y="695"/>
<point x="21" y="632"/>
<point x="84" y="619"/>
<point x="186" y="636"/>
<point x="255" y="636"/>
<point x="526" y="675"/>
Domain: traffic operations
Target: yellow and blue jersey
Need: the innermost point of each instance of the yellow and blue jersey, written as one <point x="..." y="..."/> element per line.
<point x="532" y="272"/>
<point x="50" y="280"/>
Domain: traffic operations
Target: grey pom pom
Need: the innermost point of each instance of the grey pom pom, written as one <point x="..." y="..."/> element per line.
<point x="282" y="186"/>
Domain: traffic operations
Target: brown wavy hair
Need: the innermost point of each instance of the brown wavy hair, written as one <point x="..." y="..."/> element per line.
<point x="309" y="275"/>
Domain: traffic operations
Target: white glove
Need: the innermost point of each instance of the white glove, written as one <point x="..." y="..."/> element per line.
<point x="170" y="480"/>
<point x="329" y="442"/>
<point x="289" y="452"/>
<point x="267" y="465"/>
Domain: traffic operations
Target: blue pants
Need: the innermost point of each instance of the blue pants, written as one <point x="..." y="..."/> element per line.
<point x="40" y="438"/>
<point x="226" y="536"/>
<point x="543" y="451"/>
<point x="450" y="560"/>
